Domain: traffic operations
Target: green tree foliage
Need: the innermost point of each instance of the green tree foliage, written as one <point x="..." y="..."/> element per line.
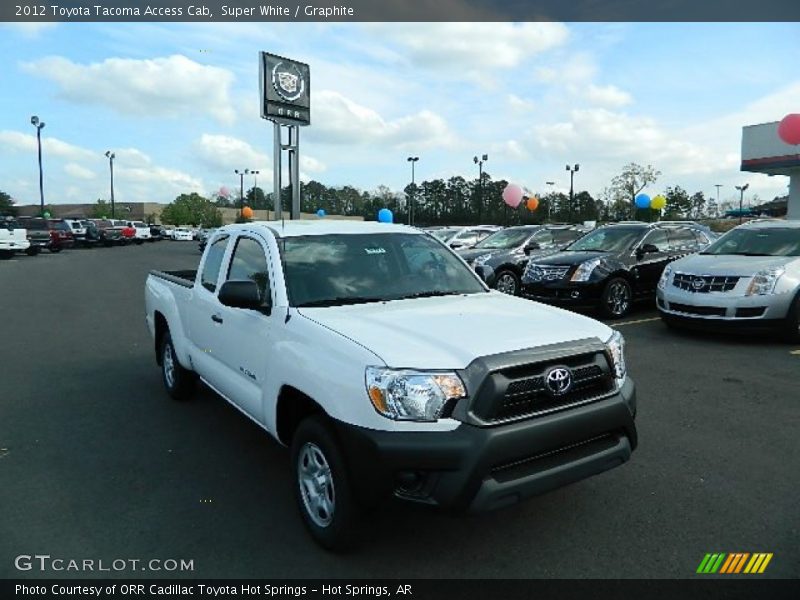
<point x="679" y="205"/>
<point x="101" y="210"/>
<point x="192" y="209"/>
<point x="7" y="205"/>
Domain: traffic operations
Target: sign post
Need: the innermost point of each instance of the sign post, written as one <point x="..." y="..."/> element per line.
<point x="285" y="89"/>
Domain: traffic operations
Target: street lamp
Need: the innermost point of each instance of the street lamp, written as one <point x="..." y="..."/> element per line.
<point x="241" y="175"/>
<point x="412" y="160"/>
<point x="111" y="156"/>
<point x="550" y="197"/>
<point x="572" y="171"/>
<point x="741" y="189"/>
<point x="39" y="126"/>
<point x="480" y="162"/>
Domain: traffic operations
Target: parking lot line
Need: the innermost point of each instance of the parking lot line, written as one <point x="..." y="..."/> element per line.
<point x="636" y="322"/>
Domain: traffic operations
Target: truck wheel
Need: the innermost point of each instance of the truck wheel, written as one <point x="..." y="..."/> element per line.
<point x="617" y="298"/>
<point x="323" y="493"/>
<point x="55" y="250"/>
<point x="792" y="327"/>
<point x="179" y="382"/>
<point x="32" y="251"/>
<point x="6" y="254"/>
<point x="507" y="282"/>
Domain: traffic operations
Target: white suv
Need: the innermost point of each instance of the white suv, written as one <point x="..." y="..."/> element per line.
<point x="142" y="231"/>
<point x="13" y="238"/>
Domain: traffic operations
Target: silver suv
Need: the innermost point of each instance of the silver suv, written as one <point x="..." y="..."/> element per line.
<point x="749" y="276"/>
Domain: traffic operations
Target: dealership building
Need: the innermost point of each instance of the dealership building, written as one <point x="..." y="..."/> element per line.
<point x="763" y="151"/>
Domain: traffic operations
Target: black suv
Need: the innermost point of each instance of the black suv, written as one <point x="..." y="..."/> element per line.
<point x="500" y="259"/>
<point x="612" y="266"/>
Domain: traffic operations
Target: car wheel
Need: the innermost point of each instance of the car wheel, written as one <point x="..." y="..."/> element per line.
<point x="507" y="282"/>
<point x="32" y="251"/>
<point x="617" y="298"/>
<point x="322" y="491"/>
<point x="792" y="327"/>
<point x="179" y="382"/>
<point x="55" y="250"/>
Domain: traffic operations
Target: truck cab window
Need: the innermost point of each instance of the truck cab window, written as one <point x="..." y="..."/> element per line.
<point x="213" y="263"/>
<point x="250" y="263"/>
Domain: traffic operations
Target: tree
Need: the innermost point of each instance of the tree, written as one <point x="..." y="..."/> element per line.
<point x="678" y="203"/>
<point x="101" y="210"/>
<point x="698" y="204"/>
<point x="633" y="179"/>
<point x="7" y="205"/>
<point x="192" y="209"/>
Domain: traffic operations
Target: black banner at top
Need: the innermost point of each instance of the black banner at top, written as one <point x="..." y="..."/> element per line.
<point x="400" y="10"/>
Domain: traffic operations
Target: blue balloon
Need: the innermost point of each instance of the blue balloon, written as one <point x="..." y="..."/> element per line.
<point x="642" y="201"/>
<point x="385" y="216"/>
<point x="321" y="213"/>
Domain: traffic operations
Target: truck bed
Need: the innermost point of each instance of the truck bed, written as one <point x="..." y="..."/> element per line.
<point x="185" y="278"/>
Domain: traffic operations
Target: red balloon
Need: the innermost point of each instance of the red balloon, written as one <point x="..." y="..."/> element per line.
<point x="789" y="129"/>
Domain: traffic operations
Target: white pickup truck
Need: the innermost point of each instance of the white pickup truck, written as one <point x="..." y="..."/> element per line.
<point x="13" y="238"/>
<point x="388" y="367"/>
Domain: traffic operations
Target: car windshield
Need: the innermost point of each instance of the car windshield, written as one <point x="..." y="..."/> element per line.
<point x="333" y="270"/>
<point x="504" y="239"/>
<point x="607" y="239"/>
<point x="139" y="224"/>
<point x="445" y="234"/>
<point x="765" y="241"/>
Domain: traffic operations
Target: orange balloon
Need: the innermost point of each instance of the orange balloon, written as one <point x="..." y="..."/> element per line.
<point x="247" y="212"/>
<point x="533" y="203"/>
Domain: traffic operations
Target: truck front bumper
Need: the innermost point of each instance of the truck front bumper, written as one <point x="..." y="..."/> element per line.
<point x="482" y="468"/>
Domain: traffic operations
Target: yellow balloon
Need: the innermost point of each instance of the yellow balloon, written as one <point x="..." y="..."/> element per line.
<point x="658" y="202"/>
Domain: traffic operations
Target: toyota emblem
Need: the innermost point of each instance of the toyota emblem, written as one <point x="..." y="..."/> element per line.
<point x="558" y="380"/>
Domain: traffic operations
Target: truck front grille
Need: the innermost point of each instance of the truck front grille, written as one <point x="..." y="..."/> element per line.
<point x="703" y="284"/>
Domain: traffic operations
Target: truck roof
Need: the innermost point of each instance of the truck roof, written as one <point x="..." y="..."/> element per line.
<point x="322" y="227"/>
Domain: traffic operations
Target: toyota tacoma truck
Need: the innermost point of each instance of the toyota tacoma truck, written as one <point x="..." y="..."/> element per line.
<point x="388" y="367"/>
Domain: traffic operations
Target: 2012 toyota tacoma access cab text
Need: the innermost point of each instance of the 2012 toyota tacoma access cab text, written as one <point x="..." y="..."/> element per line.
<point x="388" y="367"/>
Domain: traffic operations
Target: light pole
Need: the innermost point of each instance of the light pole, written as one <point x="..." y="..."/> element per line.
<point x="717" y="185"/>
<point x="480" y="162"/>
<point x="549" y="197"/>
<point x="255" y="187"/>
<point x="412" y="160"/>
<point x="241" y="175"/>
<point x="39" y="126"/>
<point x="741" y="189"/>
<point x="572" y="171"/>
<point x="111" y="156"/>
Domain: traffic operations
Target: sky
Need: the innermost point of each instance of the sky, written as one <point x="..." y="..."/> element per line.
<point x="178" y="104"/>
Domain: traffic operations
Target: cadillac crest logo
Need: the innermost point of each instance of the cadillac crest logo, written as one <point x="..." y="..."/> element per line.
<point x="288" y="81"/>
<point x="558" y="380"/>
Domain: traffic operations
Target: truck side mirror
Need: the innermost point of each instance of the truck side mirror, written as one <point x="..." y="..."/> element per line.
<point x="242" y="294"/>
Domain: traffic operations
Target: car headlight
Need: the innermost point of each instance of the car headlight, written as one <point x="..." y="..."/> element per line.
<point x="482" y="259"/>
<point x="764" y="282"/>
<point x="407" y="395"/>
<point x="616" y="351"/>
<point x="584" y="270"/>
<point x="665" y="277"/>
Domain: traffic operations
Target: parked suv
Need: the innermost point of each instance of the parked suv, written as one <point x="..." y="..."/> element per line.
<point x="500" y="259"/>
<point x="78" y="229"/>
<point x="108" y="233"/>
<point x="612" y="266"/>
<point x="60" y="234"/>
<point x="13" y="238"/>
<point x="141" y="231"/>
<point x="464" y="237"/>
<point x="748" y="277"/>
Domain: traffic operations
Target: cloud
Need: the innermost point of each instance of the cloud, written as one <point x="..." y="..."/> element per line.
<point x="30" y="30"/>
<point x="609" y="95"/>
<point x="79" y="172"/>
<point x="160" y="87"/>
<point x="17" y="141"/>
<point x="577" y="69"/>
<point x="339" y="120"/>
<point x="311" y="164"/>
<point x="520" y="105"/>
<point x="224" y="152"/>
<point x="475" y="47"/>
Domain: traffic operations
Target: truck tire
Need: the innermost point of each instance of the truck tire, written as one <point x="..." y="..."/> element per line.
<point x="55" y="249"/>
<point x="32" y="251"/>
<point x="617" y="298"/>
<point x="180" y="382"/>
<point x="324" y="495"/>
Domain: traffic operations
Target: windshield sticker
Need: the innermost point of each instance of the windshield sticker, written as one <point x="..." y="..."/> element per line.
<point x="375" y="250"/>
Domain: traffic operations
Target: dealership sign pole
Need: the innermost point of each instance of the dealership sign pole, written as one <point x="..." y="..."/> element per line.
<point x="285" y="87"/>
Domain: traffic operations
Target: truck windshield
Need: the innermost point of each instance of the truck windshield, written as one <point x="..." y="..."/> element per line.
<point x="338" y="269"/>
<point x="766" y="241"/>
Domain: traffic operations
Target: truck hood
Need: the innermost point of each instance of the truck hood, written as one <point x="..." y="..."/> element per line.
<point x="449" y="332"/>
<point x="730" y="265"/>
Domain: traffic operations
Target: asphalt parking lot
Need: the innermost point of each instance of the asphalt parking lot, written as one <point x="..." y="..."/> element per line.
<point x="97" y="462"/>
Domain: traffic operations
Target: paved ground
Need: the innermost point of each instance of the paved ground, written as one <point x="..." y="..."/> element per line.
<point x="96" y="461"/>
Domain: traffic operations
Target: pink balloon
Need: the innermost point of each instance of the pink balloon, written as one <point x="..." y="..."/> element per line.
<point x="224" y="192"/>
<point x="789" y="129"/>
<point x="512" y="195"/>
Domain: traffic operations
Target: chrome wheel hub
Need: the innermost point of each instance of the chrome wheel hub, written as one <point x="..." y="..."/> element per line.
<point x="169" y="365"/>
<point x="507" y="284"/>
<point x="618" y="298"/>
<point x="316" y="484"/>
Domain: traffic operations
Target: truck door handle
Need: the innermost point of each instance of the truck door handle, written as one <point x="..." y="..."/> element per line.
<point x="216" y="318"/>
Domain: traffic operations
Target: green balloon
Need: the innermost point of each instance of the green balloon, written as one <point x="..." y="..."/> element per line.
<point x="46" y="215"/>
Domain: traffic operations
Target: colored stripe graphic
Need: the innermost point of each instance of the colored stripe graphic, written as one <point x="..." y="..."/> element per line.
<point x="734" y="563"/>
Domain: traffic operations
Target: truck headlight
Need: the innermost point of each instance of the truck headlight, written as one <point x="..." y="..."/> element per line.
<point x="666" y="274"/>
<point x="764" y="282"/>
<point x="616" y="351"/>
<point x="407" y="395"/>
<point x="584" y="270"/>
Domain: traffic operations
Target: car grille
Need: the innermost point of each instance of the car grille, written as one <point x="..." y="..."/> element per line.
<point x="697" y="310"/>
<point x="703" y="284"/>
<point x="534" y="272"/>
<point x="521" y="391"/>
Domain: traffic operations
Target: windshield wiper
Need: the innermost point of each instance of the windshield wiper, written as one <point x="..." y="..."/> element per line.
<point x="737" y="254"/>
<point x="586" y="250"/>
<point x="429" y="294"/>
<point x="340" y="301"/>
